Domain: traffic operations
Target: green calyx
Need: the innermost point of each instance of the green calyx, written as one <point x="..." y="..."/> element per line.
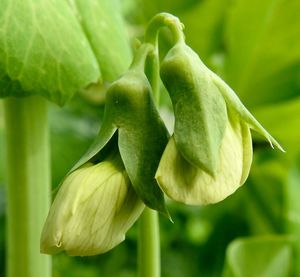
<point x="130" y="113"/>
<point x="199" y="108"/>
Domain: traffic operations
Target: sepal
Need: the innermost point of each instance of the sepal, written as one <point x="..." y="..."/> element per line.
<point x="199" y="108"/>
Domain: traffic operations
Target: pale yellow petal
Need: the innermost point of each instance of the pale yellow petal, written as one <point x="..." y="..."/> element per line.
<point x="184" y="183"/>
<point x="92" y="211"/>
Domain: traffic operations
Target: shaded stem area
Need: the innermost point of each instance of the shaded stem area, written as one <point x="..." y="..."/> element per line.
<point x="28" y="185"/>
<point x="149" y="264"/>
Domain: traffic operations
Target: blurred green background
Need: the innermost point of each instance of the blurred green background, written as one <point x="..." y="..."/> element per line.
<point x="255" y="47"/>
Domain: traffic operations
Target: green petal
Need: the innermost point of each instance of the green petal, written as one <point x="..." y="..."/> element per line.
<point x="199" y="107"/>
<point x="185" y="183"/>
<point x="247" y="151"/>
<point x="92" y="211"/>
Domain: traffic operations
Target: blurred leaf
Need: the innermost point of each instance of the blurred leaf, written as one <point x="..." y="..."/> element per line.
<point x="292" y="199"/>
<point x="264" y="193"/>
<point x="2" y="147"/>
<point x="283" y="121"/>
<point x="204" y="35"/>
<point x="259" y="256"/>
<point x="103" y="24"/>
<point x="292" y="193"/>
<point x="263" y="42"/>
<point x="150" y="8"/>
<point x="43" y="48"/>
<point x="71" y="135"/>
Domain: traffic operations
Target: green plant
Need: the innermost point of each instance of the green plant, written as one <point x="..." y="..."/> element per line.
<point x="39" y="59"/>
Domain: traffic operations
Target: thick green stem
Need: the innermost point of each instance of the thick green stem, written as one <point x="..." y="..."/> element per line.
<point x="149" y="244"/>
<point x="28" y="185"/>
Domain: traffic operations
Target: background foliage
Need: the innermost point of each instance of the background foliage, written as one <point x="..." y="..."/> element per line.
<point x="255" y="47"/>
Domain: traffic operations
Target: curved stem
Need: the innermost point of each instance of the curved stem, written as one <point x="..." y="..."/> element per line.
<point x="152" y="72"/>
<point x="148" y="238"/>
<point x="164" y="20"/>
<point x="28" y="185"/>
<point x="140" y="56"/>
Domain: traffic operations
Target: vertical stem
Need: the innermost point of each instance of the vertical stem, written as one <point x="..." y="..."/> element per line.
<point x="152" y="72"/>
<point x="28" y="185"/>
<point x="148" y="239"/>
<point x="149" y="244"/>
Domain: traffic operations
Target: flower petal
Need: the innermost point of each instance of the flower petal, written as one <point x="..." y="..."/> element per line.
<point x="92" y="211"/>
<point x="185" y="183"/>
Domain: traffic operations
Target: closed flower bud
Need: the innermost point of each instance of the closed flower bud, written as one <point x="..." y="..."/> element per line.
<point x="199" y="108"/>
<point x="131" y="116"/>
<point x="188" y="184"/>
<point x="210" y="153"/>
<point x="93" y="209"/>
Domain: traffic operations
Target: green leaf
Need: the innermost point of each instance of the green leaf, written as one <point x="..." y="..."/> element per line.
<point x="292" y="199"/>
<point x="104" y="26"/>
<point x="262" y="38"/>
<point x="293" y="209"/>
<point x="259" y="256"/>
<point x="43" y="50"/>
<point x="283" y="119"/>
<point x="205" y="36"/>
<point x="264" y="194"/>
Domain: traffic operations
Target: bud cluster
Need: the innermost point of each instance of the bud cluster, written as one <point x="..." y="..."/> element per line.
<point x="134" y="161"/>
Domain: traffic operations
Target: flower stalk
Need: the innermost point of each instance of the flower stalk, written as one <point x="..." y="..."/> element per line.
<point x="28" y="185"/>
<point x="149" y="244"/>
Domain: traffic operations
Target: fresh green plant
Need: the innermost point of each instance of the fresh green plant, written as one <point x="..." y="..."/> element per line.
<point x="52" y="49"/>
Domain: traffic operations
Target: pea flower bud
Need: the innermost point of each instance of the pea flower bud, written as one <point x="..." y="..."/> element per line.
<point x="131" y="116"/>
<point x="93" y="209"/>
<point x="210" y="153"/>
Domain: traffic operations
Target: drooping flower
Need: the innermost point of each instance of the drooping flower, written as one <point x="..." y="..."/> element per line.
<point x="92" y="210"/>
<point x="210" y="153"/>
<point x="106" y="190"/>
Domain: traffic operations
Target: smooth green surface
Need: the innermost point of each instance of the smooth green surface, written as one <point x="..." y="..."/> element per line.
<point x="142" y="135"/>
<point x="236" y="107"/>
<point x="43" y="50"/>
<point x="28" y="185"/>
<point x="199" y="108"/>
<point x="263" y="59"/>
<point x="282" y="116"/>
<point x="148" y="245"/>
<point x="261" y="256"/>
<point x="208" y="38"/>
<point x="104" y="27"/>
